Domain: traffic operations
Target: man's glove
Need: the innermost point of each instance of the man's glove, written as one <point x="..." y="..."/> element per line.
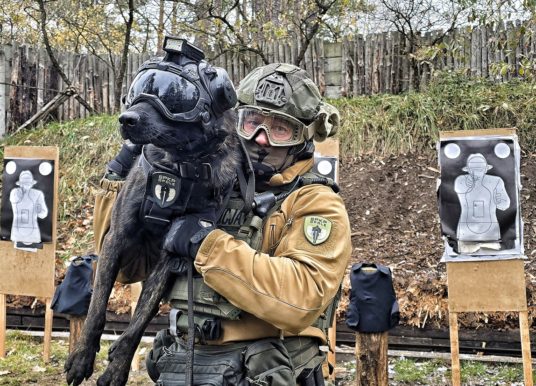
<point x="123" y="161"/>
<point x="188" y="232"/>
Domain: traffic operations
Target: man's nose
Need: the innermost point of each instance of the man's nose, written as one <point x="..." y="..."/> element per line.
<point x="262" y="138"/>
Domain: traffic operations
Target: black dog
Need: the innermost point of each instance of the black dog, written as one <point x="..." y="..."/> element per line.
<point x="130" y="238"/>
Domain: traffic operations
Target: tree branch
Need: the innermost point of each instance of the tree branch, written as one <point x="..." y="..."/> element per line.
<point x="53" y="59"/>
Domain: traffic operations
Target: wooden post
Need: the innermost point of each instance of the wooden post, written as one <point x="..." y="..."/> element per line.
<point x="48" y="330"/>
<point x="525" y="347"/>
<point x="371" y="357"/>
<point x="75" y="329"/>
<point x="2" y="325"/>
<point x="77" y="322"/>
<point x="454" y="349"/>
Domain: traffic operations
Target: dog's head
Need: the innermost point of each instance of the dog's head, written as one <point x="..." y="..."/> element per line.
<point x="178" y="102"/>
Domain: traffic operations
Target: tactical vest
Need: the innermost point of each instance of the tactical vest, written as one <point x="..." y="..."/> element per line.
<point x="209" y="306"/>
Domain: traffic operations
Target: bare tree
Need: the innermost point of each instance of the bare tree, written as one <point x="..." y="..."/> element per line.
<point x="413" y="19"/>
<point x="128" y="17"/>
<point x="87" y="29"/>
<point x="247" y="26"/>
<point x="55" y="63"/>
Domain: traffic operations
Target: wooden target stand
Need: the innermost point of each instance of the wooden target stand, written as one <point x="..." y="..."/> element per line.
<point x="30" y="273"/>
<point x="487" y="286"/>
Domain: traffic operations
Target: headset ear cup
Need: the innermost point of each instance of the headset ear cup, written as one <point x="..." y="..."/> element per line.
<point x="223" y="92"/>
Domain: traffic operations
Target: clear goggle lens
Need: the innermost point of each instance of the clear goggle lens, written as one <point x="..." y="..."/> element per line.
<point x="281" y="129"/>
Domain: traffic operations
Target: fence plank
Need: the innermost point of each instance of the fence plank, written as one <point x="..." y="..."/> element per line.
<point x="14" y="101"/>
<point x="484" y="50"/>
<point x="511" y="51"/>
<point x="4" y="89"/>
<point x="396" y="68"/>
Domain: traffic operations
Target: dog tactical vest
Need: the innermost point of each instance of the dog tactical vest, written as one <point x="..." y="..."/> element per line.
<point x="168" y="192"/>
<point x="209" y="306"/>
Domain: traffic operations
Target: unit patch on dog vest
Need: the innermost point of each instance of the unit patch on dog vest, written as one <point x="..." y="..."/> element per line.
<point x="165" y="188"/>
<point x="316" y="229"/>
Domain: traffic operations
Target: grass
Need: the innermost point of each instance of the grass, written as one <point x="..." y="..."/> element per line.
<point x="394" y="124"/>
<point x="405" y="371"/>
<point x="414" y="372"/>
<point x="24" y="365"/>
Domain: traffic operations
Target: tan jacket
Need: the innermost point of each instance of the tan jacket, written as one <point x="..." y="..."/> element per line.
<point x="285" y="291"/>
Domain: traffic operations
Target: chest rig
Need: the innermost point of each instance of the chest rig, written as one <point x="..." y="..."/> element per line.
<point x="245" y="222"/>
<point x="168" y="191"/>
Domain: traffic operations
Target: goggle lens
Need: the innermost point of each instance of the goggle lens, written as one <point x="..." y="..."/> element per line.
<point x="176" y="93"/>
<point x="282" y="130"/>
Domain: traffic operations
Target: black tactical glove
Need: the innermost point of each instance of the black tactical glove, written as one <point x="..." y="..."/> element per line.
<point x="188" y="232"/>
<point x="124" y="160"/>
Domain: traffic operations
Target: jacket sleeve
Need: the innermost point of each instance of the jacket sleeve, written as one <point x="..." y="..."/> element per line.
<point x="294" y="285"/>
<point x="102" y="213"/>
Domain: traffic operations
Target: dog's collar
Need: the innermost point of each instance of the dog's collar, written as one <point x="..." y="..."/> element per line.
<point x="186" y="170"/>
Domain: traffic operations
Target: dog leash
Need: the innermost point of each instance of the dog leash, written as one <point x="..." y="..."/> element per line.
<point x="191" y="328"/>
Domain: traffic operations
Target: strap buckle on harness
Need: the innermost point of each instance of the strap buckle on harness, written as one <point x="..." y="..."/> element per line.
<point x="191" y="171"/>
<point x="173" y="320"/>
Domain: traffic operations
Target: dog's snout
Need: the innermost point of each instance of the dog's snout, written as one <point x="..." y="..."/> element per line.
<point x="129" y="118"/>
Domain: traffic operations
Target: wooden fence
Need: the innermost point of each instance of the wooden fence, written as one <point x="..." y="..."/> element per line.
<point x="361" y="65"/>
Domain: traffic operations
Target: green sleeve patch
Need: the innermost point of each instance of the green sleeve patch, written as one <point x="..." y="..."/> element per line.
<point x="316" y="229"/>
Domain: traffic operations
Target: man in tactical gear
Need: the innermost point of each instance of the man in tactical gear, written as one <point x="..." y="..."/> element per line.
<point x="271" y="266"/>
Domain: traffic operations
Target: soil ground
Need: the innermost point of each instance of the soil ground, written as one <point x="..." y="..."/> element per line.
<point x="394" y="218"/>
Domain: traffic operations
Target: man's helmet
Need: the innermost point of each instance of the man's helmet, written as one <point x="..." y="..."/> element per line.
<point x="287" y="93"/>
<point x="282" y="100"/>
<point x="182" y="86"/>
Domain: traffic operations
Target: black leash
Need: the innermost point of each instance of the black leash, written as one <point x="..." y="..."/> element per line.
<point x="191" y="328"/>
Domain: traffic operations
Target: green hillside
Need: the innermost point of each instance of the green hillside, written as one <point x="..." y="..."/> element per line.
<point x="391" y="124"/>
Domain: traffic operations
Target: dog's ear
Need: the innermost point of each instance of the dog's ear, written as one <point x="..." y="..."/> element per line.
<point x="123" y="99"/>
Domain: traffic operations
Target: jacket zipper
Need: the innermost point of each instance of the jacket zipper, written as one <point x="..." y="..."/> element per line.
<point x="274" y="244"/>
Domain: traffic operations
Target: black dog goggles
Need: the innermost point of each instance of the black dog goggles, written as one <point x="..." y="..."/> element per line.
<point x="281" y="129"/>
<point x="173" y="95"/>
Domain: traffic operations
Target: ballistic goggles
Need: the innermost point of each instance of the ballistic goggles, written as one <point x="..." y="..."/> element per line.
<point x="176" y="94"/>
<point x="281" y="129"/>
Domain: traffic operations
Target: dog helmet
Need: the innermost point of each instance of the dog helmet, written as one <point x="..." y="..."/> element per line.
<point x="182" y="86"/>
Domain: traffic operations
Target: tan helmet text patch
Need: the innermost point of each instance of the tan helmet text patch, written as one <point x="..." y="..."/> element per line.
<point x="316" y="229"/>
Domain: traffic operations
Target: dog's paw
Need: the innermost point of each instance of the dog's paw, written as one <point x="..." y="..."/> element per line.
<point x="116" y="374"/>
<point x="79" y="365"/>
<point x="115" y="347"/>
